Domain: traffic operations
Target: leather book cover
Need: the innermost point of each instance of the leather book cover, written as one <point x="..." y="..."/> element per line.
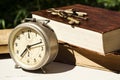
<point x="100" y="20"/>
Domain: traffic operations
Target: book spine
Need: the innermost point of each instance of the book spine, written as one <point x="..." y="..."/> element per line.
<point x="4" y="36"/>
<point x="4" y="49"/>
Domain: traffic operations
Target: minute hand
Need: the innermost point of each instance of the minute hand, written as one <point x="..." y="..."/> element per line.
<point x="34" y="44"/>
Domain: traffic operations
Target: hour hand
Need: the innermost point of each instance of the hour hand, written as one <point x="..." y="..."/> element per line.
<point x="23" y="53"/>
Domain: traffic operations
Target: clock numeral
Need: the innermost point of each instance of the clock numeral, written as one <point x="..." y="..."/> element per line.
<point x="34" y="59"/>
<point x="39" y="55"/>
<point x="41" y="40"/>
<point x="36" y="34"/>
<point x="16" y="44"/>
<point x="42" y="48"/>
<point x="28" y="61"/>
<point x="29" y="31"/>
<point x="17" y="52"/>
<point x="23" y="32"/>
<point x="18" y="37"/>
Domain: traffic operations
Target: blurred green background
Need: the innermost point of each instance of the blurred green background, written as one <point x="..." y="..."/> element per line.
<point x="13" y="11"/>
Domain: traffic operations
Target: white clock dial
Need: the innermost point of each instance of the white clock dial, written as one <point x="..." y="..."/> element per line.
<point x="29" y="47"/>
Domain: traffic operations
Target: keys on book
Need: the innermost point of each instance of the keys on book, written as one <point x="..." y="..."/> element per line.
<point x="70" y="14"/>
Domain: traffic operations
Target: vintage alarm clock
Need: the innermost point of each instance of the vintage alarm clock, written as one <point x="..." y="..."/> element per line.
<point x="33" y="44"/>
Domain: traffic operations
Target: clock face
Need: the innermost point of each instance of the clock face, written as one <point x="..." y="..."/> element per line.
<point x="28" y="47"/>
<point x="32" y="45"/>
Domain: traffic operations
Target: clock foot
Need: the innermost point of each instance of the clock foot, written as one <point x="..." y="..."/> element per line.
<point x="43" y="70"/>
<point x="17" y="66"/>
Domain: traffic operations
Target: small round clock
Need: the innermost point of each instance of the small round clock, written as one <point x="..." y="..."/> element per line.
<point x="32" y="45"/>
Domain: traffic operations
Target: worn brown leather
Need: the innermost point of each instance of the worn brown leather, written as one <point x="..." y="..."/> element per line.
<point x="100" y="20"/>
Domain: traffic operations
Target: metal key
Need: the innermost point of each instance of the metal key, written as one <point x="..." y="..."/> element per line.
<point x="77" y="14"/>
<point x="63" y="14"/>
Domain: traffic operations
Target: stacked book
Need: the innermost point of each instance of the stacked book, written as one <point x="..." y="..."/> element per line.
<point x="93" y="43"/>
<point x="4" y="35"/>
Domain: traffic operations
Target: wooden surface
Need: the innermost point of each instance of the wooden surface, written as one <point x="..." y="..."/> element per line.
<point x="100" y="20"/>
<point x="83" y="57"/>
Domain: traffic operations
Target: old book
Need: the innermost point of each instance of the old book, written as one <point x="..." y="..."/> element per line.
<point x="4" y="49"/>
<point x="4" y="35"/>
<point x="99" y="33"/>
<point x="82" y="57"/>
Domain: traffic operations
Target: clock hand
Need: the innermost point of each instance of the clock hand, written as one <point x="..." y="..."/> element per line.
<point x="29" y="46"/>
<point x="23" y="53"/>
<point x="29" y="33"/>
<point x="28" y="50"/>
<point x="37" y="46"/>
